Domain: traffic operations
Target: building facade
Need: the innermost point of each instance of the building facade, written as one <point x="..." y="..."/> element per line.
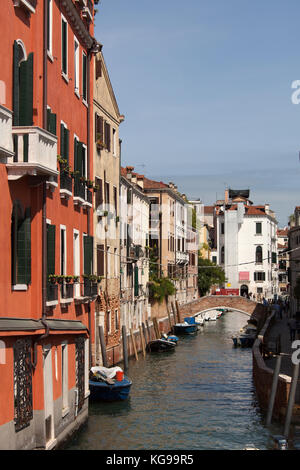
<point x="107" y="149"/>
<point x="247" y="245"/>
<point x="47" y="305"/>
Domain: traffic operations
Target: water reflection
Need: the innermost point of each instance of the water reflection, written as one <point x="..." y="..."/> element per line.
<point x="200" y="397"/>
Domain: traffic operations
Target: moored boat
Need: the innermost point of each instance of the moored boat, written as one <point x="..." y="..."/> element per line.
<point x="185" y="328"/>
<point x="108" y="384"/>
<point x="160" y="345"/>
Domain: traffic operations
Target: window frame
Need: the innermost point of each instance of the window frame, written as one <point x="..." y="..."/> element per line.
<point x="63" y="72"/>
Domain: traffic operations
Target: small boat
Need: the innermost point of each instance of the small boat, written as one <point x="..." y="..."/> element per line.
<point x="172" y="338"/>
<point x="199" y="320"/>
<point x="160" y="345"/>
<point x="185" y="328"/>
<point x="193" y="321"/>
<point x="246" y="338"/>
<point x="108" y="384"/>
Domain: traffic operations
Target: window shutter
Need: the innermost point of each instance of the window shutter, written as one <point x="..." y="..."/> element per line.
<point x="26" y="92"/>
<point x="16" y="84"/>
<point x="84" y="78"/>
<point x="98" y="127"/>
<point x="88" y="254"/>
<point x="100" y="260"/>
<point x="274" y="258"/>
<point x="62" y="140"/>
<point x="99" y="193"/>
<point x="24" y="250"/>
<point x="76" y="155"/>
<point x="136" y="281"/>
<point x="51" y="122"/>
<point x="66" y="143"/>
<point x="50" y="249"/>
<point x="64" y="46"/>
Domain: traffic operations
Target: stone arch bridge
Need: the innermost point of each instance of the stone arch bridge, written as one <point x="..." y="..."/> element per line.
<point x="256" y="311"/>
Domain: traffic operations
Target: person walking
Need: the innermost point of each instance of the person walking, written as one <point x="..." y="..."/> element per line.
<point x="293" y="327"/>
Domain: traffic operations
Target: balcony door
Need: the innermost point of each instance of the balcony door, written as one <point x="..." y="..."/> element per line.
<point x="76" y="246"/>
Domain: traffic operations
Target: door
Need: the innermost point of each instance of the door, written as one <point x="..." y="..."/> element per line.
<point x="48" y="395"/>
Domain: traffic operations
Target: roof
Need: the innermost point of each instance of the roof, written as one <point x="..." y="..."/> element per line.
<point x="209" y="209"/>
<point x="283" y="232"/>
<point x="250" y="210"/>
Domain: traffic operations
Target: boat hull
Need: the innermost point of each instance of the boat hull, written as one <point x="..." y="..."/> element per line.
<point x="160" y="346"/>
<point x="100" y="391"/>
<point x="185" y="329"/>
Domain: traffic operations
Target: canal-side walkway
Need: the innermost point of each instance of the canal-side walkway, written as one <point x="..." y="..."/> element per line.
<point x="280" y="328"/>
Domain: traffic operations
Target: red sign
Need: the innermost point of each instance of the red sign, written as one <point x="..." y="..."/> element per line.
<point x="227" y="292"/>
<point x="244" y="276"/>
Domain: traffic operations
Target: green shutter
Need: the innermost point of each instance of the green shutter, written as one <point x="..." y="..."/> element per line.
<point x="24" y="250"/>
<point x="80" y="158"/>
<point x="64" y="46"/>
<point x="51" y="122"/>
<point x="88" y="254"/>
<point x="16" y="96"/>
<point x="274" y="258"/>
<point x="50" y="249"/>
<point x="136" y="281"/>
<point x="26" y="92"/>
<point x="66" y="144"/>
<point x="76" y="162"/>
<point x="62" y="140"/>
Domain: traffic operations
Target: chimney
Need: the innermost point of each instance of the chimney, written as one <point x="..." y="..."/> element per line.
<point x="226" y="196"/>
<point x="171" y="185"/>
<point x="267" y="208"/>
<point x="129" y="170"/>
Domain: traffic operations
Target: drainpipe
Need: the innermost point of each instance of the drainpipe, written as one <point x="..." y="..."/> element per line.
<point x="89" y="155"/>
<point x="45" y="64"/>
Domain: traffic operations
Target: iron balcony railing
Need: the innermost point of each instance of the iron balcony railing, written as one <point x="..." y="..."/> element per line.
<point x="89" y="196"/>
<point x="90" y="289"/>
<point x="79" y="188"/>
<point x="67" y="291"/>
<point x="65" y="181"/>
<point x="52" y="292"/>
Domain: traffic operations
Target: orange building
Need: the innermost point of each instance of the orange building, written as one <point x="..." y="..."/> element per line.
<point x="47" y="288"/>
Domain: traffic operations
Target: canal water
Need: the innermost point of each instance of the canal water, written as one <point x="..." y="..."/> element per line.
<point x="199" y="397"/>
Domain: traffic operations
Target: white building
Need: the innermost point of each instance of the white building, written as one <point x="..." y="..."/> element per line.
<point x="134" y="238"/>
<point x="247" y="245"/>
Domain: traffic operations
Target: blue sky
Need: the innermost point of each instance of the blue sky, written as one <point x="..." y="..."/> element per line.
<point x="205" y="87"/>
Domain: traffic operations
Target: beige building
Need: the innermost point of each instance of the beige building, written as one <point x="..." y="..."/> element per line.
<point x="283" y="260"/>
<point x="107" y="120"/>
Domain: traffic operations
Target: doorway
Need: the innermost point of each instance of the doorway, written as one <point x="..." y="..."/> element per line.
<point x="244" y="290"/>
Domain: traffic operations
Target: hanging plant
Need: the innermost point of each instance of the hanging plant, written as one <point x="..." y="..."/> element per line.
<point x="75" y="279"/>
<point x="52" y="278"/>
<point x="68" y="279"/>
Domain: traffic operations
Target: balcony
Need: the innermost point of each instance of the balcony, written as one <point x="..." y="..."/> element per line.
<point x="88" y="11"/>
<point x="66" y="293"/>
<point x="6" y="139"/>
<point x="79" y="192"/>
<point x="35" y="153"/>
<point x="52" y="295"/>
<point x="88" y="198"/>
<point x="29" y="5"/>
<point x="66" y="185"/>
<point x="182" y="257"/>
<point x="90" y="289"/>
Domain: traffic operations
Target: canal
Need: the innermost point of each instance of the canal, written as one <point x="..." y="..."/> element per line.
<point x="200" y="397"/>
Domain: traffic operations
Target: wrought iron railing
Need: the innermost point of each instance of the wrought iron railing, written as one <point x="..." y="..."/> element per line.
<point x="67" y="291"/>
<point x="90" y="289"/>
<point x="52" y="292"/>
<point x="79" y="188"/>
<point x="65" y="181"/>
<point x="89" y="196"/>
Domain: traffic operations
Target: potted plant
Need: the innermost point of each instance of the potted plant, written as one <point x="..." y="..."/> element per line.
<point x="52" y="278"/>
<point x="60" y="279"/>
<point x="100" y="144"/>
<point x="89" y="184"/>
<point x="75" y="279"/>
<point x="96" y="188"/>
<point x="93" y="278"/>
<point x="68" y="279"/>
<point x="99" y="278"/>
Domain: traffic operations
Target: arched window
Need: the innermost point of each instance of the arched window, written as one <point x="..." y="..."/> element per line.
<point x="258" y="255"/>
<point x="222" y="255"/>
<point x="22" y="85"/>
<point x="2" y="352"/>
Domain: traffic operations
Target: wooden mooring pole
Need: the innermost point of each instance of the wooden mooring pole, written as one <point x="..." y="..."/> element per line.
<point x="148" y="329"/>
<point x="291" y="401"/>
<point x="103" y="346"/>
<point x="169" y="316"/>
<point x="125" y="349"/>
<point x="178" y="313"/>
<point x="134" y="345"/>
<point x="142" y="341"/>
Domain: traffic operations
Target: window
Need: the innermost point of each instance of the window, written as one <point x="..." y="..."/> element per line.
<point x="258" y="255"/>
<point x="258" y="228"/>
<point x="116" y="319"/>
<point x="259" y="276"/>
<point x="98" y="68"/>
<point x="108" y="261"/>
<point x="259" y="290"/>
<point x="108" y="321"/>
<point x="274" y="257"/>
<point x="222" y="255"/>
<point x="76" y="66"/>
<point x="23" y="412"/>
<point x="21" y="245"/>
<point x="63" y="250"/>
<point x="49" y="27"/>
<point x="214" y="259"/>
<point x="64" y="376"/>
<point x="88" y="254"/>
<point x="106" y="193"/>
<point x="64" y="46"/>
<point x="100" y="260"/>
<point x="107" y="135"/>
<point x="84" y="77"/>
<point x="64" y="142"/>
<point x="114" y="142"/>
<point x="51" y="121"/>
<point x="76" y="254"/>
<point x="99" y="129"/>
<point x="222" y="228"/>
<point x="115" y="263"/>
<point x="50" y="258"/>
<point x="115" y="200"/>
<point x="22" y="87"/>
